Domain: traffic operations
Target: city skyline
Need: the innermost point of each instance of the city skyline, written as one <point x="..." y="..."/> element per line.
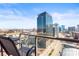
<point x="25" y="15"/>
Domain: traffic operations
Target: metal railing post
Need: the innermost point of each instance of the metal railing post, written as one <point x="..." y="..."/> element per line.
<point x="35" y="46"/>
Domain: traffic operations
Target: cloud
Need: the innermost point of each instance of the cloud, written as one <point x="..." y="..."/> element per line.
<point x="17" y="22"/>
<point x="13" y="18"/>
<point x="66" y="18"/>
<point x="39" y="9"/>
<point x="6" y="12"/>
<point x="11" y="9"/>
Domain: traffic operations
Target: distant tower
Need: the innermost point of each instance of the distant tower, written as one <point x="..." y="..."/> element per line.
<point x="62" y="28"/>
<point x="44" y="23"/>
<point x="44" y="27"/>
<point x="71" y="29"/>
<point x="78" y="28"/>
<point x="55" y="30"/>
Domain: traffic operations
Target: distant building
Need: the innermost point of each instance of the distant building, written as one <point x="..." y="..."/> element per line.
<point x="69" y="50"/>
<point x="76" y="35"/>
<point x="78" y="28"/>
<point x="44" y="27"/>
<point x="55" y="30"/>
<point x="63" y="28"/>
<point x="44" y="23"/>
<point x="71" y="29"/>
<point x="59" y="28"/>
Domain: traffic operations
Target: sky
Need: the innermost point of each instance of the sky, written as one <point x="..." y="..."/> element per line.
<point x="24" y="15"/>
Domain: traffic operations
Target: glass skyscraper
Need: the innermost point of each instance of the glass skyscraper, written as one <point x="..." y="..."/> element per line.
<point x="44" y="23"/>
<point x="62" y="28"/>
<point x="44" y="27"/>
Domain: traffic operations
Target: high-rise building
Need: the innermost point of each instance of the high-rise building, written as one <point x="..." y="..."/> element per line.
<point x="62" y="28"/>
<point x="44" y="27"/>
<point x="44" y="23"/>
<point x="71" y="29"/>
<point x="78" y="28"/>
<point x="55" y="30"/>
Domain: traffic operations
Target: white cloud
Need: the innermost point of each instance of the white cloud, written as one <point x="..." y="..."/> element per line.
<point x="17" y="22"/>
<point x="6" y="12"/>
<point x="39" y="9"/>
<point x="18" y="12"/>
<point x="68" y="18"/>
<point x="11" y="12"/>
<point x="13" y="18"/>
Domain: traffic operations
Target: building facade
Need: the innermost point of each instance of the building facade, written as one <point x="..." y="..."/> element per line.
<point x="44" y="23"/>
<point x="71" y="29"/>
<point x="62" y="28"/>
<point x="44" y="27"/>
<point x="77" y="28"/>
<point x="55" y="30"/>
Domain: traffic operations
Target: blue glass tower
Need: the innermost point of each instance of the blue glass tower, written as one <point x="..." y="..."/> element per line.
<point x="44" y="23"/>
<point x="44" y="27"/>
<point x="62" y="28"/>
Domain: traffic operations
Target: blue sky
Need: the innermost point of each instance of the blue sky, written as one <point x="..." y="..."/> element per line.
<point x="25" y="15"/>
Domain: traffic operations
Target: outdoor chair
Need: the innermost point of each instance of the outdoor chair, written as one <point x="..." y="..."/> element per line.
<point x="10" y="48"/>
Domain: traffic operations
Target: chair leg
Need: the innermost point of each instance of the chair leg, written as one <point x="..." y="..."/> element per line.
<point x="1" y="51"/>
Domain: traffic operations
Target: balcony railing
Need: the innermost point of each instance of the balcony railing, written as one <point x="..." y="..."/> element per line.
<point x="37" y="38"/>
<point x="50" y="44"/>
